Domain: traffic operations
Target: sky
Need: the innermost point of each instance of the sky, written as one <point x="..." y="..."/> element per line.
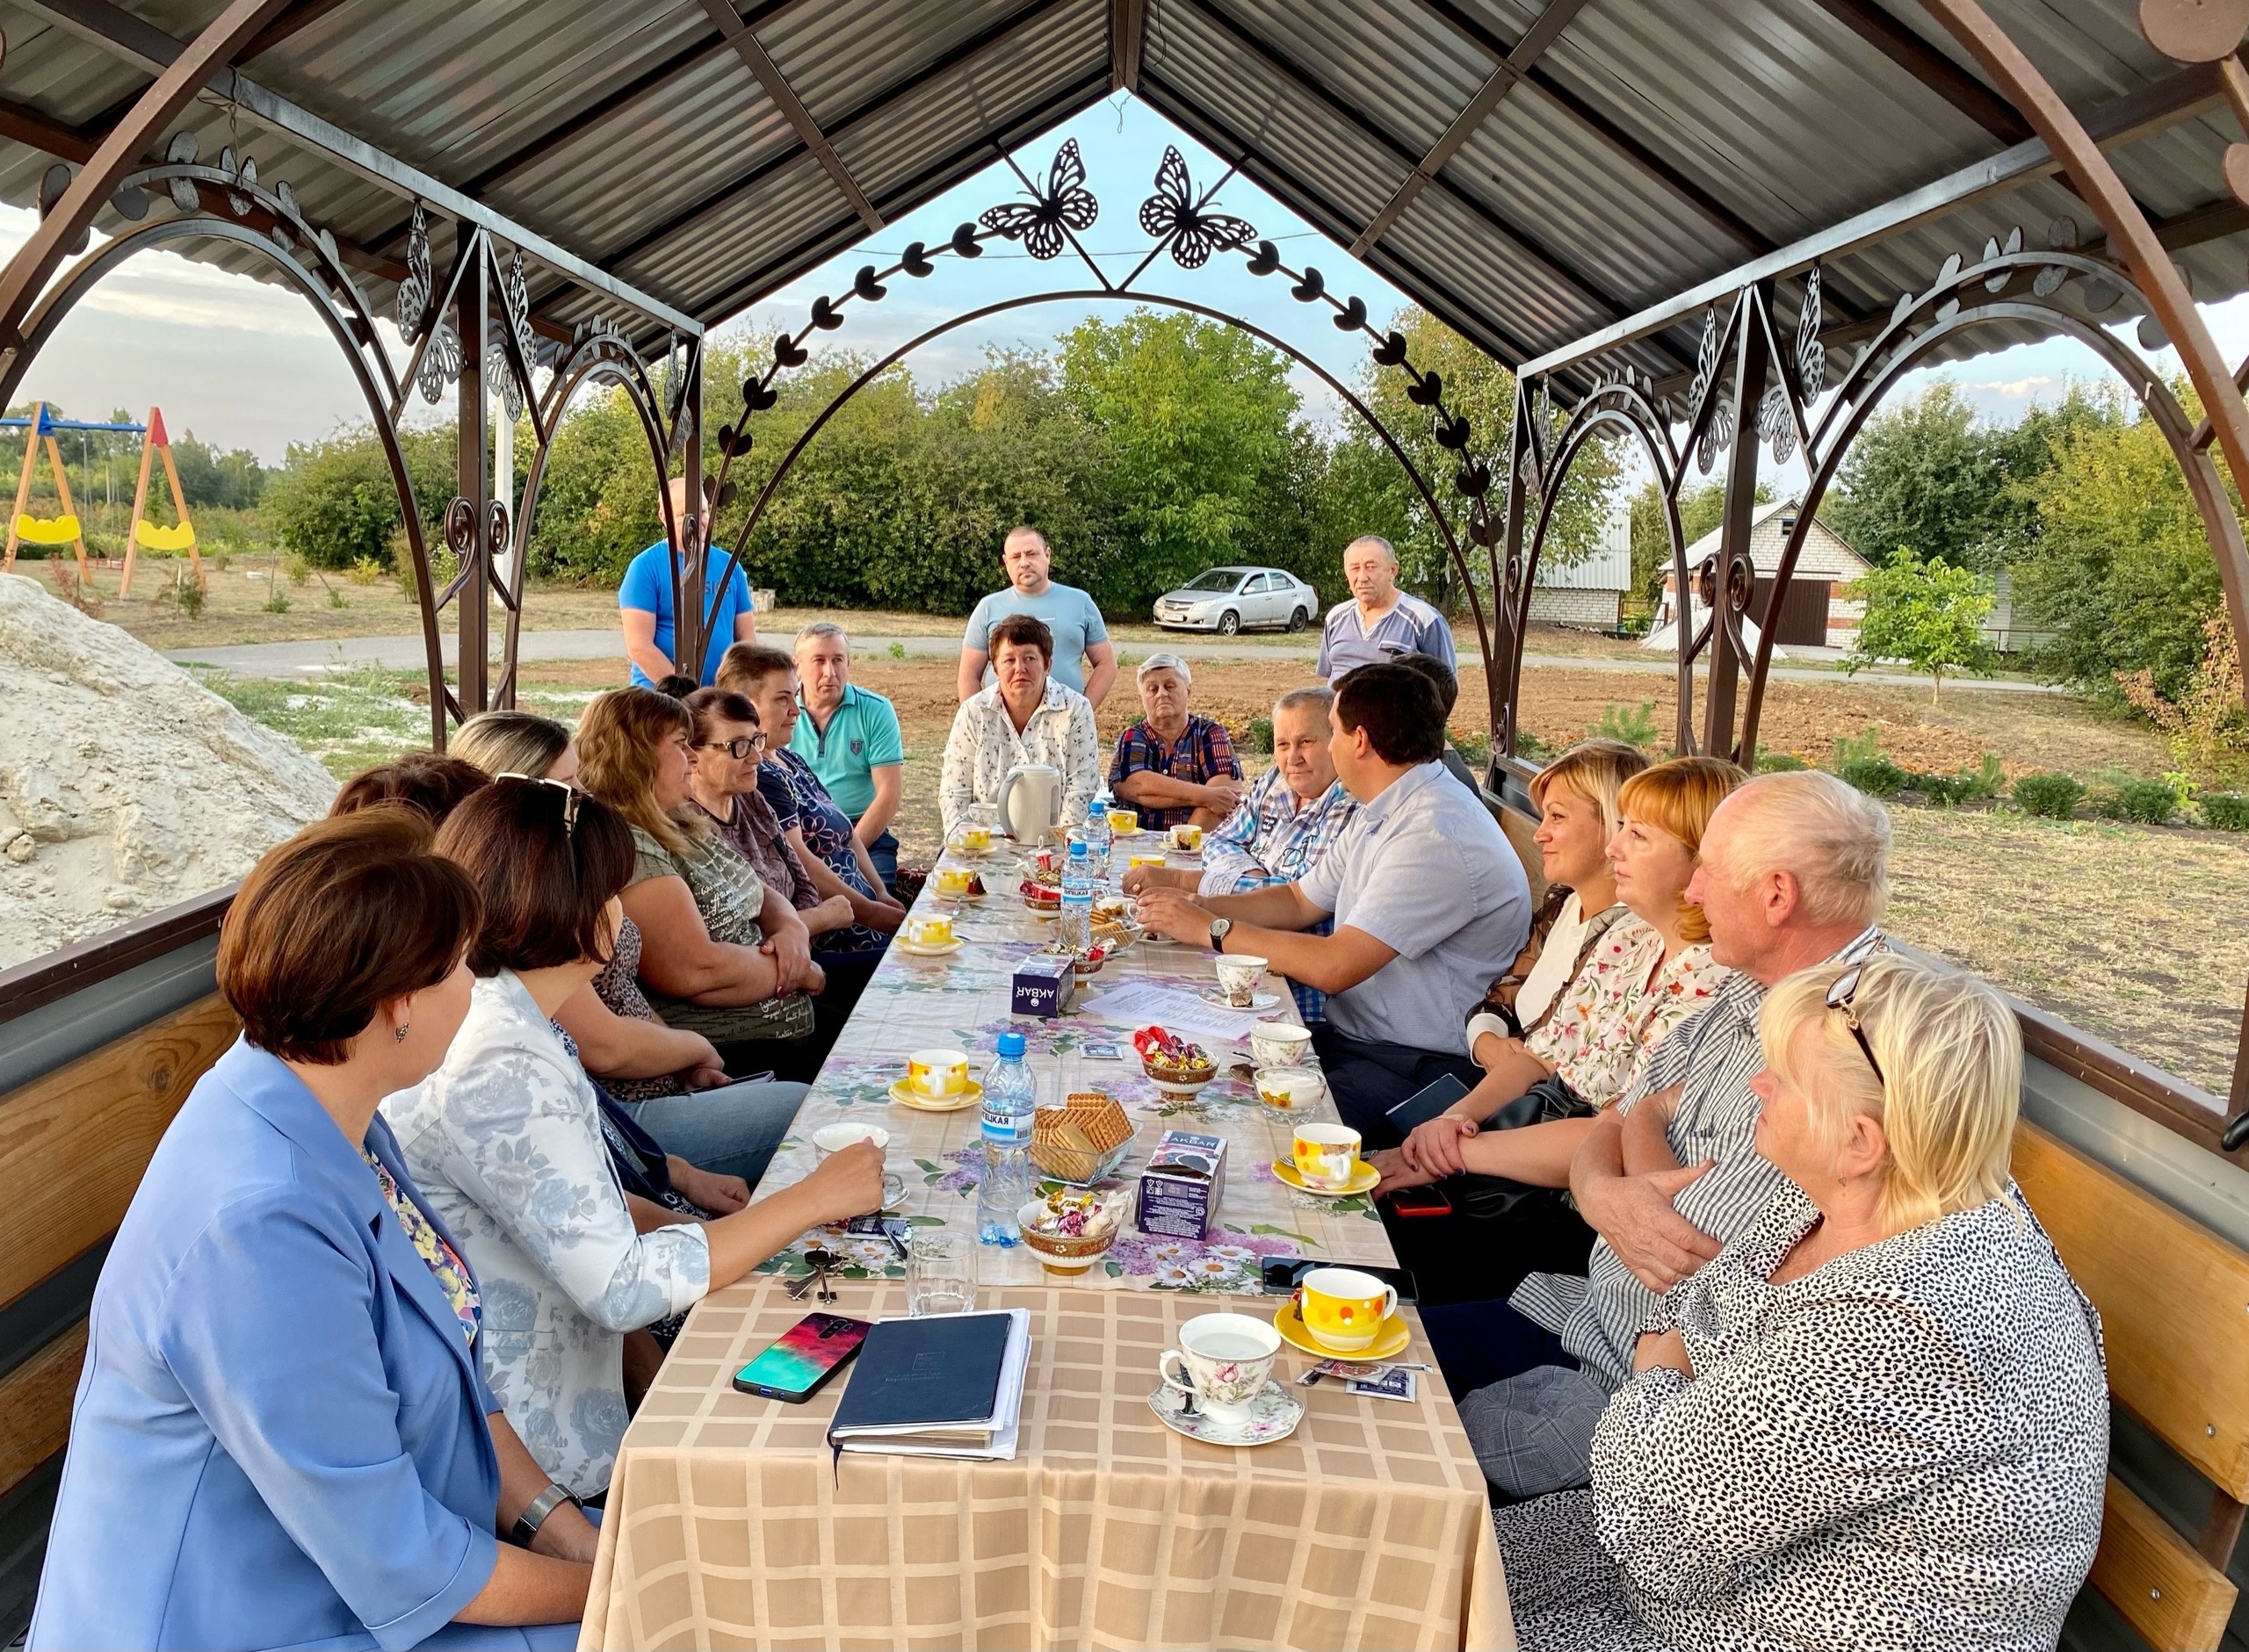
<point x="244" y="364"/>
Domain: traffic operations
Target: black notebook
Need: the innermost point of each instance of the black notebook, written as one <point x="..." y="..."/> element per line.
<point x="932" y="1378"/>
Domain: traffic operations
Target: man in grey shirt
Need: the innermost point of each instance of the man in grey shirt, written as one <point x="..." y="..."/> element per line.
<point x="1429" y="900"/>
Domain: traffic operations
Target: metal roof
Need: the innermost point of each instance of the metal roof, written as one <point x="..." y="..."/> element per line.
<point x="1531" y="171"/>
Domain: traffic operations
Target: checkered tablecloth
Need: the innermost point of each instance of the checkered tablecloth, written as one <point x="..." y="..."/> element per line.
<point x="730" y="1524"/>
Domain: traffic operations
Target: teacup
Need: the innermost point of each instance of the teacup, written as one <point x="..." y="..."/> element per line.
<point x="1124" y="821"/>
<point x="834" y="1138"/>
<point x="1224" y="1360"/>
<point x="1239" y="974"/>
<point x="1144" y="860"/>
<point x="937" y="1071"/>
<point x="1285" y="1089"/>
<point x="1326" y="1155"/>
<point x="1188" y="837"/>
<point x="1343" y="1308"/>
<point x="954" y="882"/>
<point x="1276" y="1044"/>
<point x="975" y="839"/>
<point x="933" y="929"/>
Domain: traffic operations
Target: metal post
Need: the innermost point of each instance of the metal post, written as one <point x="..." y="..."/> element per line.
<point x="503" y="479"/>
<point x="1750" y="362"/>
<point x="695" y="530"/>
<point x="1506" y="696"/>
<point x="471" y="304"/>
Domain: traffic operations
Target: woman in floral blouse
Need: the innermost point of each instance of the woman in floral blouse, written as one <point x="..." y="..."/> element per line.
<point x="1026" y="717"/>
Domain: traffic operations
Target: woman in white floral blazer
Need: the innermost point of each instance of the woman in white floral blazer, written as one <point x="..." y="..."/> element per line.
<point x="505" y="1140"/>
<point x="1026" y="717"/>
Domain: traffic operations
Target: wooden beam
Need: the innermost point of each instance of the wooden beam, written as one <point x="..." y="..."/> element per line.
<point x="2166" y="1590"/>
<point x="35" y="1400"/>
<point x="1128" y="34"/>
<point x="27" y="126"/>
<point x="301" y="14"/>
<point x="761" y="64"/>
<point x="1932" y="67"/>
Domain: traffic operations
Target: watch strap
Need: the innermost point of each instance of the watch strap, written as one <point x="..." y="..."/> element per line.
<point x="535" y="1513"/>
<point x="1220" y="928"/>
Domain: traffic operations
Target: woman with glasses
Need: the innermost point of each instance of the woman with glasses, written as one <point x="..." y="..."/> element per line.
<point x="1878" y="1418"/>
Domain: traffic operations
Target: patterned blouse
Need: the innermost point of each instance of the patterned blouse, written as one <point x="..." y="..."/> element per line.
<point x="1905" y="1448"/>
<point x="619" y="988"/>
<point x="729" y="896"/>
<point x="505" y="1142"/>
<point x="797" y="798"/>
<point x="446" y="1266"/>
<point x="1202" y="752"/>
<point x="1620" y="1005"/>
<point x="984" y="746"/>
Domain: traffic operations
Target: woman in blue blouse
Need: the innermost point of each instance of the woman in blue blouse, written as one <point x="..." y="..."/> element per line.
<point x="281" y="1437"/>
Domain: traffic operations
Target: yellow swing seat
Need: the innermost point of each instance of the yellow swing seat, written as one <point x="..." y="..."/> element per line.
<point x="48" y="529"/>
<point x="153" y="537"/>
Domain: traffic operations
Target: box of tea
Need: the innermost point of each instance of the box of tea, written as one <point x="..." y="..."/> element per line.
<point x="1180" y="1188"/>
<point x="1044" y="984"/>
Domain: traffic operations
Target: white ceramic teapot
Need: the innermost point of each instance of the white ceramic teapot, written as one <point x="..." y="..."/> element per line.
<point x="1031" y="803"/>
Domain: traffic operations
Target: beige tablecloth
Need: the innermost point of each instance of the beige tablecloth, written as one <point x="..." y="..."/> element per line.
<point x="730" y="1524"/>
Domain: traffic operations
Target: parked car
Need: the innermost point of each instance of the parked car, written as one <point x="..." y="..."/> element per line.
<point x="1228" y="600"/>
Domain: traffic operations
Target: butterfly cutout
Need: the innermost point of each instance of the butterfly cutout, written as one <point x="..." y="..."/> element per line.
<point x="1040" y="225"/>
<point x="1171" y="211"/>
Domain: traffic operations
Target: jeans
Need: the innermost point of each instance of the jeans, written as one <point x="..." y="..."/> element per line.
<point x="883" y="851"/>
<point x="732" y="1130"/>
<point x="1368" y="1079"/>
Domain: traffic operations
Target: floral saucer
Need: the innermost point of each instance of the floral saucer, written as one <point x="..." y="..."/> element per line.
<point x="1274" y="1414"/>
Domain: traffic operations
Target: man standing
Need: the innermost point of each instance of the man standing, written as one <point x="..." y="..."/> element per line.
<point x="1378" y="621"/>
<point x="644" y="607"/>
<point x="1070" y="615"/>
<point x="1173" y="767"/>
<point x="1429" y="903"/>
<point x="850" y="737"/>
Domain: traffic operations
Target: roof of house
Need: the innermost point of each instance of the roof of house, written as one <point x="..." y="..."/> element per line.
<point x="1826" y="554"/>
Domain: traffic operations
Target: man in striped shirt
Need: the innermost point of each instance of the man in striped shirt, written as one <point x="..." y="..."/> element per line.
<point x="1794" y="874"/>
<point x="1379" y="622"/>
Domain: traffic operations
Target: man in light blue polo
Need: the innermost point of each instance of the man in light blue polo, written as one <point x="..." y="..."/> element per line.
<point x="1377" y="621"/>
<point x="850" y="737"/>
<point x="1070" y="615"/>
<point x="644" y="608"/>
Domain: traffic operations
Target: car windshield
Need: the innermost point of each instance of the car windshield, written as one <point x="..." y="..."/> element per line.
<point x="1216" y="580"/>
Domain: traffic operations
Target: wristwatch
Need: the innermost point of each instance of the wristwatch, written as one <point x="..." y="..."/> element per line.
<point x="535" y="1513"/>
<point x="1219" y="927"/>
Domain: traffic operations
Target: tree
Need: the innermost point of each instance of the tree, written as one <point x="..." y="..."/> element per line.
<point x="1927" y="613"/>
<point x="334" y="504"/>
<point x="1701" y="508"/>
<point x="234" y="480"/>
<point x="1922" y="474"/>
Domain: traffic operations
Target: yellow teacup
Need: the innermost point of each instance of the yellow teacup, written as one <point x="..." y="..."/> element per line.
<point x="933" y="930"/>
<point x="952" y="881"/>
<point x="1124" y="821"/>
<point x="937" y="1071"/>
<point x="1187" y="837"/>
<point x="975" y="839"/>
<point x="1326" y="1155"/>
<point x="1144" y="860"/>
<point x="1343" y="1308"/>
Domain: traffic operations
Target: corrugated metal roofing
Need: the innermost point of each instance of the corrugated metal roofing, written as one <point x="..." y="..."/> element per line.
<point x="1654" y="144"/>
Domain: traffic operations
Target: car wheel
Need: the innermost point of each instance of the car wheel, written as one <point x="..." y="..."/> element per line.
<point x="1297" y="619"/>
<point x="1229" y="622"/>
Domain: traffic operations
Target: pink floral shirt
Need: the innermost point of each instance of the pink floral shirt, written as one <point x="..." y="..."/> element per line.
<point x="1620" y="1005"/>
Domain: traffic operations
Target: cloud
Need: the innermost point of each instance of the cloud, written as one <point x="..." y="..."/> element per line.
<point x="2012" y="389"/>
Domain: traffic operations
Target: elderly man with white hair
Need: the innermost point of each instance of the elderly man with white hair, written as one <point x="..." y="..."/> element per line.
<point x="1794" y="873"/>
<point x="1173" y="766"/>
<point x="1377" y="621"/>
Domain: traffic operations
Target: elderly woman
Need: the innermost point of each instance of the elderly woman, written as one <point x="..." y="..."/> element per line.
<point x="1026" y="717"/>
<point x="1879" y="1418"/>
<point x="700" y="908"/>
<point x="1174" y="767"/>
<point x="282" y="1435"/>
<point x="506" y="1137"/>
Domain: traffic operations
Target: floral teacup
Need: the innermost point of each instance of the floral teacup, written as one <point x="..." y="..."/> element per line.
<point x="1224" y="1360"/>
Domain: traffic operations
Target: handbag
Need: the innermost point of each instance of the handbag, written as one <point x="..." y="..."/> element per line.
<point x="1487" y="1197"/>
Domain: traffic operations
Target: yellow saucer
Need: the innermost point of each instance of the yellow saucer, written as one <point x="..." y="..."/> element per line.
<point x="915" y="948"/>
<point x="1362" y="1180"/>
<point x="907" y="1096"/>
<point x="1389" y="1342"/>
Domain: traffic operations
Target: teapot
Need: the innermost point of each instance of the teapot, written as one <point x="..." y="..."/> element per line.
<point x="1031" y="803"/>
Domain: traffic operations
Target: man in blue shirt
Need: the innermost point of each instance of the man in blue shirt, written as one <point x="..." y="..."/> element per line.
<point x="1378" y="621"/>
<point x="850" y="737"/>
<point x="644" y="607"/>
<point x="1068" y="612"/>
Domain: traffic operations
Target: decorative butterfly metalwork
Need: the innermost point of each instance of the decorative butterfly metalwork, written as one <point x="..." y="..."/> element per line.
<point x="1067" y="204"/>
<point x="1171" y="211"/>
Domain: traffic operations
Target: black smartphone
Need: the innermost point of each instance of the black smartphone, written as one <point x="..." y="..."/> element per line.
<point x="1283" y="1274"/>
<point x="806" y="1355"/>
<point x="1420" y="1201"/>
<point x="1425" y="1103"/>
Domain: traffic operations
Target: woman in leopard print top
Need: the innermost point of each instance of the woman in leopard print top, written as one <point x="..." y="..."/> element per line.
<point x="1879" y="1419"/>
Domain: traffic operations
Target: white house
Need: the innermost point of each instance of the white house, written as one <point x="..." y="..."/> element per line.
<point x="1813" y="614"/>
<point x="1589" y="592"/>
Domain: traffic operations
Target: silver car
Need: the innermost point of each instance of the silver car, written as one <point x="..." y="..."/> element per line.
<point x="1228" y="600"/>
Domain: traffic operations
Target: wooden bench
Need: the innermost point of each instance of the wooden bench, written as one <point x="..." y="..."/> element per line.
<point x="2174" y="1312"/>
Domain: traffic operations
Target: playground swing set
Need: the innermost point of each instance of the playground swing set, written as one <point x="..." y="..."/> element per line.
<point x="25" y="529"/>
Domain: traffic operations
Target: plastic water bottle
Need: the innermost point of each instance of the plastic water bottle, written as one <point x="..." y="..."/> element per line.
<point x="1099" y="837"/>
<point x="1074" y="929"/>
<point x="1010" y="1098"/>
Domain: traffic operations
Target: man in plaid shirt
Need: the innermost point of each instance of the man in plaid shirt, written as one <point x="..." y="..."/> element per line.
<point x="1173" y="767"/>
<point x="1288" y="817"/>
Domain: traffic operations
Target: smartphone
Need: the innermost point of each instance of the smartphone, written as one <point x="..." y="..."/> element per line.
<point x="1283" y="1273"/>
<point x="1425" y="1103"/>
<point x="1420" y="1201"/>
<point x="809" y="1352"/>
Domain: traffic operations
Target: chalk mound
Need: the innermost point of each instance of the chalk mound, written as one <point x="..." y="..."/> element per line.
<point x="125" y="785"/>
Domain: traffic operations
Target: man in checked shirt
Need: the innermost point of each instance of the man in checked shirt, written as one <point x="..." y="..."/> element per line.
<point x="1794" y="871"/>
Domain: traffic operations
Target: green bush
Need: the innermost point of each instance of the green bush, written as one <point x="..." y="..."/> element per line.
<point x="2149" y="802"/>
<point x="2051" y="797"/>
<point x="1258" y="737"/>
<point x="278" y="603"/>
<point x="1634" y="725"/>
<point x="1876" y="775"/>
<point x="1938" y="787"/>
<point x="2227" y="810"/>
<point x="1987" y="780"/>
<point x="1779" y="762"/>
<point x="1529" y="745"/>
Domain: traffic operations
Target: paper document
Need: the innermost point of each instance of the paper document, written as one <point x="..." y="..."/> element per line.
<point x="1140" y="1002"/>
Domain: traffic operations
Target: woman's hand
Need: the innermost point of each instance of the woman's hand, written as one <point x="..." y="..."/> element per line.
<point x="1490" y="1048"/>
<point x="1433" y="1147"/>
<point x="1396" y="1173"/>
<point x="791" y="948"/>
<point x="847" y="1183"/>
<point x="1665" y="1348"/>
<point x="707" y="1078"/>
<point x="720" y="1195"/>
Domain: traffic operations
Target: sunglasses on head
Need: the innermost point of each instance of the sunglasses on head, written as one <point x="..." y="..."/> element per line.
<point x="1839" y="998"/>
<point x="571" y="797"/>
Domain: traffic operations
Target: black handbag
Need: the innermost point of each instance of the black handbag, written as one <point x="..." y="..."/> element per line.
<point x="1487" y="1197"/>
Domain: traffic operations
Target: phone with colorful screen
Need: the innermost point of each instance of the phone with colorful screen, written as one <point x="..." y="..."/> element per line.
<point x="809" y="1352"/>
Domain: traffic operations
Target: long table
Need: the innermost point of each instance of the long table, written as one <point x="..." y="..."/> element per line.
<point x="730" y="1522"/>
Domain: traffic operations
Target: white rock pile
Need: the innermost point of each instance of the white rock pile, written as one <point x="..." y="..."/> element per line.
<point x="125" y="785"/>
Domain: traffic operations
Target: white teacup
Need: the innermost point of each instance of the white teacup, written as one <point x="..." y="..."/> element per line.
<point x="833" y="1138"/>
<point x="1287" y="1089"/>
<point x="1224" y="1360"/>
<point x="1239" y="976"/>
<point x="1276" y="1044"/>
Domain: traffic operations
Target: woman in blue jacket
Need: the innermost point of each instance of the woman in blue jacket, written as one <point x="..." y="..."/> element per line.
<point x="281" y="1437"/>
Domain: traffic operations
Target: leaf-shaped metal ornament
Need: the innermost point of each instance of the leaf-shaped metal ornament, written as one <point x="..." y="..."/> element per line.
<point x="2061" y="234"/>
<point x="1352" y="317"/>
<point x="1949" y="269"/>
<point x="1775" y="425"/>
<point x="497" y="369"/>
<point x="239" y="202"/>
<point x="1314" y="285"/>
<point x="1810" y="356"/>
<point x="1706" y="358"/>
<point x="2100" y="293"/>
<point x="964" y="243"/>
<point x="1947" y="310"/>
<point x="915" y="260"/>
<point x="866" y="286"/>
<point x="414" y="292"/>
<point x="1392" y="351"/>
<point x="1526" y="472"/>
<point x="2151" y="334"/>
<point x="515" y="293"/>
<point x="1265" y="260"/>
<point x="788" y="352"/>
<point x="181" y="151"/>
<point x="440" y="363"/>
<point x="2049" y="280"/>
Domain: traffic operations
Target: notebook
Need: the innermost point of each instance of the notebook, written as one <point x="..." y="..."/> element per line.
<point x="949" y="1385"/>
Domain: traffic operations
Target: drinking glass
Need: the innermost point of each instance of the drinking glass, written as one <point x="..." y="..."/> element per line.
<point x="940" y="1273"/>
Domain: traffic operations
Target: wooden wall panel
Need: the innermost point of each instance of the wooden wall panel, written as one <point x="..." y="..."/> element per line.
<point x="35" y="1405"/>
<point x="2175" y="1598"/>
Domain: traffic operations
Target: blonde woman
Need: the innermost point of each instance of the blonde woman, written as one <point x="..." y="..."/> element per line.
<point x="1879" y="1418"/>
<point x="516" y="743"/>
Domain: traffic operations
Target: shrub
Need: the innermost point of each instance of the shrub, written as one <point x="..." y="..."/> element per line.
<point x="2050" y="797"/>
<point x="1635" y="726"/>
<point x="1938" y="787"/>
<point x="295" y="568"/>
<point x="1987" y="780"/>
<point x="1474" y="747"/>
<point x="279" y="603"/>
<point x="2149" y="802"/>
<point x="367" y="571"/>
<point x="1529" y="745"/>
<point x="2227" y="810"/>
<point x="1876" y="775"/>
<point x="1779" y="762"/>
<point x="1258" y="737"/>
<point x="897" y="652"/>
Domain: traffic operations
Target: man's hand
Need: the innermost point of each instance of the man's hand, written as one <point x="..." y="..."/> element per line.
<point x="1397" y="1173"/>
<point x="1665" y="1348"/>
<point x="1635" y="1215"/>
<point x="1433" y="1147"/>
<point x="1170" y="913"/>
<point x="1224" y="792"/>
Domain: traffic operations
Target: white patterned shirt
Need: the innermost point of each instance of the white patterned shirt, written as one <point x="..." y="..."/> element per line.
<point x="984" y="746"/>
<point x="1622" y="1003"/>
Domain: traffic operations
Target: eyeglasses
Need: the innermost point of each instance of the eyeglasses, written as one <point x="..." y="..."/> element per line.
<point x="738" y="749"/>
<point x="571" y="797"/>
<point x="1839" y="998"/>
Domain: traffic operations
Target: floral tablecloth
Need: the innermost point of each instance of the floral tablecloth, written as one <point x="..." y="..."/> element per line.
<point x="965" y="1001"/>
